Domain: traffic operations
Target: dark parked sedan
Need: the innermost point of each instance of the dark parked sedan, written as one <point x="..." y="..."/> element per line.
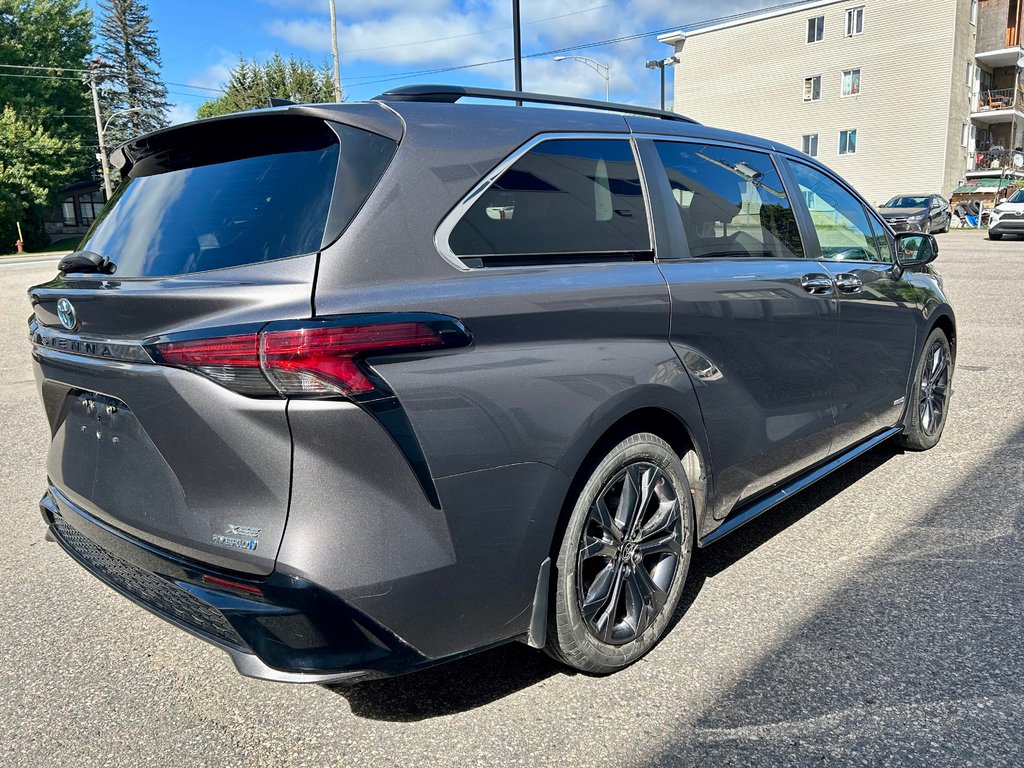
<point x="917" y="213"/>
<point x="351" y="389"/>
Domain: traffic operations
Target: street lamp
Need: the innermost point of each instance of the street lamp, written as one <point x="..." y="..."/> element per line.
<point x="103" y="148"/>
<point x="604" y="70"/>
<point x="671" y="61"/>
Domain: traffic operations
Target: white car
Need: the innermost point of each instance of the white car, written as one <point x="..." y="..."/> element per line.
<point x="1007" y="218"/>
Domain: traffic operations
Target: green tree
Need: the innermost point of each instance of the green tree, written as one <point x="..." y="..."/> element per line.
<point x="251" y="84"/>
<point x="49" y="33"/>
<point x="34" y="164"/>
<point x="131" y="76"/>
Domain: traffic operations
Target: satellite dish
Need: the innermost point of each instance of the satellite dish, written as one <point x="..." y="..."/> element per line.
<point x="1018" y="159"/>
<point x="1020" y="61"/>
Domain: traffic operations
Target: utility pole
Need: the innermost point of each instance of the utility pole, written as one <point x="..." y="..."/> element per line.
<point x="99" y="133"/>
<point x="334" y="47"/>
<point x="517" y="48"/>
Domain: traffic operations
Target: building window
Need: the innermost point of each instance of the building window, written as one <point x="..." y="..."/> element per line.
<point x="974" y="11"/>
<point x="854" y="21"/>
<point x="848" y="142"/>
<point x="851" y="82"/>
<point x="812" y="88"/>
<point x="89" y="205"/>
<point x="67" y="209"/>
<point x="816" y="29"/>
<point x="970" y="74"/>
<point x="965" y="133"/>
<point x="810" y="144"/>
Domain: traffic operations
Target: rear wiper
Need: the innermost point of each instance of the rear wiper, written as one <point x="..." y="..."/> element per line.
<point x="86" y="261"/>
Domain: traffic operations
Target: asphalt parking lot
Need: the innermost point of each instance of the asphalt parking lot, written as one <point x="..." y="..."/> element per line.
<point x="875" y="619"/>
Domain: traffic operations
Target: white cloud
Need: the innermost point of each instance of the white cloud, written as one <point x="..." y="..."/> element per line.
<point x="362" y="9"/>
<point x="216" y="75"/>
<point x="389" y="41"/>
<point x="181" y="113"/>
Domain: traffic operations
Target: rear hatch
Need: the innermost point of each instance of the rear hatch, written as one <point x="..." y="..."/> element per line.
<point x="214" y="232"/>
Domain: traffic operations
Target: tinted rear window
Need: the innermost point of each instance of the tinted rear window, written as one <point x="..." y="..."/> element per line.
<point x="235" y="194"/>
<point x="564" y="196"/>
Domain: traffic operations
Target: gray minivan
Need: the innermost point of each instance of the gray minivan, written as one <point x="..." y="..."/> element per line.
<point x="348" y="390"/>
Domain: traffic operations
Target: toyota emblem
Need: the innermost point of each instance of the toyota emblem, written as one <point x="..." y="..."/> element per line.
<point x="66" y="314"/>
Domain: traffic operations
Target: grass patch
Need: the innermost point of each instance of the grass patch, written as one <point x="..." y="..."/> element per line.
<point x="57" y="246"/>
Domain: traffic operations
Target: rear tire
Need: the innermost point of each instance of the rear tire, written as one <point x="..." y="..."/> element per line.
<point x="928" y="402"/>
<point x="995" y="236"/>
<point x="624" y="557"/>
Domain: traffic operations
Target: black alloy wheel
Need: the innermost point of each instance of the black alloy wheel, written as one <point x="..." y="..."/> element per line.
<point x="628" y="553"/>
<point x="928" y="406"/>
<point x="624" y="557"/>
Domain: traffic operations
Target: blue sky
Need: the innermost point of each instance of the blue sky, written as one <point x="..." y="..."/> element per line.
<point x="383" y="41"/>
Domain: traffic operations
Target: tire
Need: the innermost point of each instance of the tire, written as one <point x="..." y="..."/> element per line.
<point x="995" y="236"/>
<point x="630" y="558"/>
<point x="945" y="229"/>
<point x="928" y="402"/>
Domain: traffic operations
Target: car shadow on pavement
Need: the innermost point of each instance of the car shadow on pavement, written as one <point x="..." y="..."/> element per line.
<point x="708" y="563"/>
<point x="482" y="678"/>
<point x="456" y="686"/>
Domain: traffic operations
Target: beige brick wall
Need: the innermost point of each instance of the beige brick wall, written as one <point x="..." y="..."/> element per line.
<point x="912" y="56"/>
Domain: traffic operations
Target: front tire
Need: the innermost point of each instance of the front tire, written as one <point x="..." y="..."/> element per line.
<point x="624" y="558"/>
<point x="929" y="398"/>
<point x="995" y="236"/>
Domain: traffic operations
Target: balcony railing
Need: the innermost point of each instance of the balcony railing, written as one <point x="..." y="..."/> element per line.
<point x="1003" y="98"/>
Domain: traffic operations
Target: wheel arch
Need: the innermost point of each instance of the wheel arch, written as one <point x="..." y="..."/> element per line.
<point x="947" y="323"/>
<point x="686" y="437"/>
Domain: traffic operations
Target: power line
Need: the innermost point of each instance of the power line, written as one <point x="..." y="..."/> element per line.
<point x="482" y="31"/>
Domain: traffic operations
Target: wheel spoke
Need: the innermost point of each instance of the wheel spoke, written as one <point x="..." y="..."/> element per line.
<point x="644" y="599"/>
<point x="629" y="498"/>
<point x="666" y="544"/>
<point x="603" y="614"/>
<point x="647" y="481"/>
<point x="936" y="357"/>
<point x="936" y="373"/>
<point x="600" y="592"/>
<point x="600" y="514"/>
<point x="596" y="547"/>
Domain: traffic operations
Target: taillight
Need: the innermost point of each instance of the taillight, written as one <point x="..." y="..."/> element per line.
<point x="316" y="358"/>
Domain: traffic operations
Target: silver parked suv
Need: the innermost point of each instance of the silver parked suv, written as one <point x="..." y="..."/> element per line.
<point x="348" y="390"/>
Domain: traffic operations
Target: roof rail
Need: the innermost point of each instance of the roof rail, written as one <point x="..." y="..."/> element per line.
<point x="449" y="94"/>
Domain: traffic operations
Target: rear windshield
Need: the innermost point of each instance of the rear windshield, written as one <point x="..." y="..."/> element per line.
<point x="223" y="196"/>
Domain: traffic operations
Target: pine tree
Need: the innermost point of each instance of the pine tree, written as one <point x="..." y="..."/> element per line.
<point x="251" y="84"/>
<point x="131" y="75"/>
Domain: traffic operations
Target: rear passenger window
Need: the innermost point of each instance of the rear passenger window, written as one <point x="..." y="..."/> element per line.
<point x="731" y="202"/>
<point x="563" y="198"/>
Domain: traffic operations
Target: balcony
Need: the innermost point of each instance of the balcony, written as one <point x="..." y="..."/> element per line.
<point x="998" y="106"/>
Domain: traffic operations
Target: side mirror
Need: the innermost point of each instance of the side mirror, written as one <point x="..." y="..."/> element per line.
<point x="915" y="250"/>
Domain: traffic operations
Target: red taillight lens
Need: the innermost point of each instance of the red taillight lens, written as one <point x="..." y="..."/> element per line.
<point x="235" y="351"/>
<point x="232" y="361"/>
<point x="314" y="359"/>
<point x="319" y="361"/>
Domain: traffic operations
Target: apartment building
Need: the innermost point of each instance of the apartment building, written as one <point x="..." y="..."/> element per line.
<point x="898" y="96"/>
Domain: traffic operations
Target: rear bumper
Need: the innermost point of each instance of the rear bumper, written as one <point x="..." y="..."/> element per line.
<point x="281" y="628"/>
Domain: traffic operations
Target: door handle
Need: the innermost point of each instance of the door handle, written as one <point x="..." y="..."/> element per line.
<point x="847" y="282"/>
<point x="817" y="284"/>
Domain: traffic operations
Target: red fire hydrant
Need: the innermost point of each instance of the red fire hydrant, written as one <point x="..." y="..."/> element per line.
<point x="17" y="244"/>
